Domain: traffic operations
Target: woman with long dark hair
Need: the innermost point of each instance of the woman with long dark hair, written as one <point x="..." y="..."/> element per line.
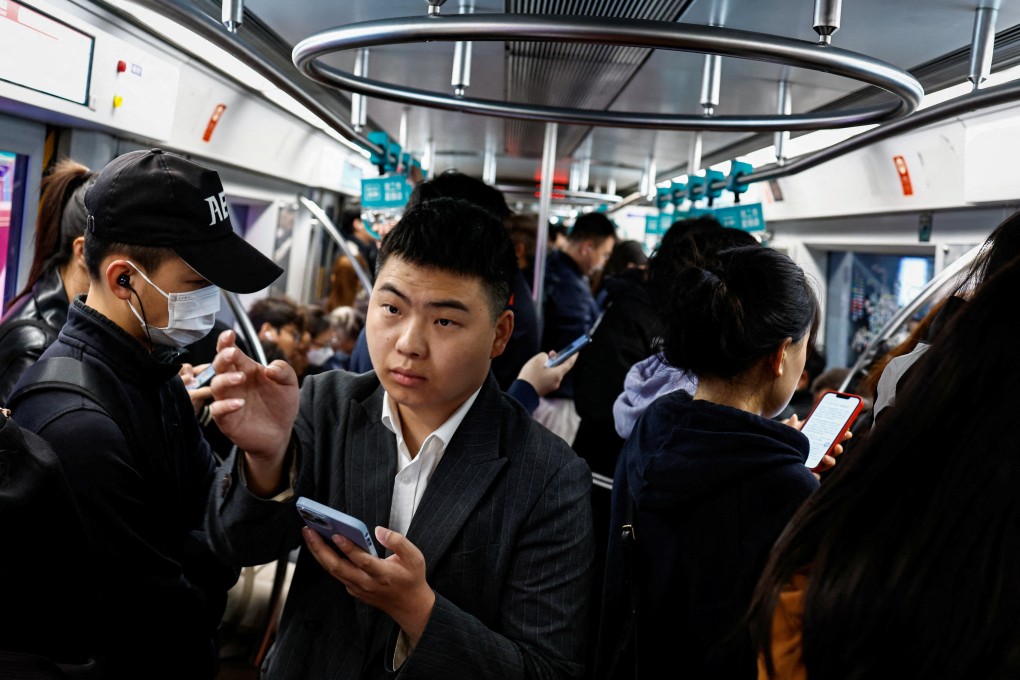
<point x="905" y="564"/>
<point x="57" y="274"/>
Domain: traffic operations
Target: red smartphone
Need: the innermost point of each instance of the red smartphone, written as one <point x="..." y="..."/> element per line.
<point x="829" y="419"/>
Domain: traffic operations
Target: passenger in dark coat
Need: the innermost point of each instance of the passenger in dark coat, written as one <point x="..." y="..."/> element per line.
<point x="711" y="479"/>
<point x="141" y="480"/>
<point x="481" y="516"/>
<point x="629" y="332"/>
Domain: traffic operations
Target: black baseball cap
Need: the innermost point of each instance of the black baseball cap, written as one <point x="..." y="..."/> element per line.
<point x="156" y="198"/>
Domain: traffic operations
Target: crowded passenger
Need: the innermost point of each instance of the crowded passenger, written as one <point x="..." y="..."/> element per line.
<point x="353" y="227"/>
<point x="904" y="565"/>
<point x="524" y="234"/>
<point x="348" y="323"/>
<point x="570" y="310"/>
<point x="630" y="331"/>
<point x="481" y="515"/>
<point x="35" y="315"/>
<point x="277" y="319"/>
<point x="321" y="331"/>
<point x="708" y="480"/>
<point x="345" y="287"/>
<point x="687" y="241"/>
<point x="139" y="469"/>
<point x="626" y="256"/>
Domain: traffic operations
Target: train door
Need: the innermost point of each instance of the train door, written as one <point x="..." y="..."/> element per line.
<point x="864" y="291"/>
<point x="21" y="163"/>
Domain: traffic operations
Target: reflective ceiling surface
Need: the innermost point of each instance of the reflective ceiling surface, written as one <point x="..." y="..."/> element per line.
<point x="922" y="36"/>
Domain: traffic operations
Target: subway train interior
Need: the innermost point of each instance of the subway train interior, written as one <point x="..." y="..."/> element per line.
<point x="868" y="140"/>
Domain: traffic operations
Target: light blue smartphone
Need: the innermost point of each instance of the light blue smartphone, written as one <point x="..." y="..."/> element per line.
<point x="203" y="378"/>
<point x="328" y="521"/>
<point x="578" y="344"/>
<point x="568" y="351"/>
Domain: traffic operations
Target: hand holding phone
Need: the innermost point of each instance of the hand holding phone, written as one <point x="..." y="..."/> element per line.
<point x="328" y="521"/>
<point x="568" y="351"/>
<point x="576" y="346"/>
<point x="203" y="378"/>
<point x="830" y="418"/>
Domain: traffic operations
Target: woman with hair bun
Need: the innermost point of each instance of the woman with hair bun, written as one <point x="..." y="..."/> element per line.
<point x="709" y="480"/>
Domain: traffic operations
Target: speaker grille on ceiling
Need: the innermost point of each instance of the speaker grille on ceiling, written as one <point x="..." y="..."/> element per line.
<point x="584" y="76"/>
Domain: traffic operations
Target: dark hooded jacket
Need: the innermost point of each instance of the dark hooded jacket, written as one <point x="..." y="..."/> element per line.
<point x="713" y="487"/>
<point x="141" y="488"/>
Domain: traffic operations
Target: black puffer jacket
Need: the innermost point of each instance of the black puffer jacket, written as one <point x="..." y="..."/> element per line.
<point x="29" y="328"/>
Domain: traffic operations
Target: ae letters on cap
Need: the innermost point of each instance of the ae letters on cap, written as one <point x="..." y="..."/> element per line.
<point x="217" y="208"/>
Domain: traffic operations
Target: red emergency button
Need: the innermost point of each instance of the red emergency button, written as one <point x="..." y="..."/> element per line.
<point x="121" y="66"/>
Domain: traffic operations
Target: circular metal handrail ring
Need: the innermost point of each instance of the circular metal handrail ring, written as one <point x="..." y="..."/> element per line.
<point x="630" y="32"/>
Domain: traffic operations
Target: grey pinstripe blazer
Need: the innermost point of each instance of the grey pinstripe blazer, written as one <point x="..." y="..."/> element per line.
<point x="505" y="526"/>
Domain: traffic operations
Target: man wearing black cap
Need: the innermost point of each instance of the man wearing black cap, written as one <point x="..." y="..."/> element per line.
<point x="158" y="247"/>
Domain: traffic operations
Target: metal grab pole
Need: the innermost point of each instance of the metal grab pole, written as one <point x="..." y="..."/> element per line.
<point x="248" y="331"/>
<point x="544" y="200"/>
<point x="337" y="237"/>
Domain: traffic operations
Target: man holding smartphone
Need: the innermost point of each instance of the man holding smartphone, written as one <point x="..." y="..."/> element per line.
<point x="571" y="310"/>
<point x="482" y="515"/>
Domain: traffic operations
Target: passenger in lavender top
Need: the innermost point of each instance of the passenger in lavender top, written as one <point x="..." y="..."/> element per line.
<point x="646" y="381"/>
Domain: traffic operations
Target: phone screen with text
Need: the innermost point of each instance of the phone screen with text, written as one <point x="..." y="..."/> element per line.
<point x="827" y="422"/>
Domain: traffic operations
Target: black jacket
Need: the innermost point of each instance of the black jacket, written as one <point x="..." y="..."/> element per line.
<point x="570" y="310"/>
<point x="29" y="327"/>
<point x="142" y="493"/>
<point x="629" y="332"/>
<point x="713" y="487"/>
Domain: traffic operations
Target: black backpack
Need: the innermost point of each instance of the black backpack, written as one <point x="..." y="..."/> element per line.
<point x="49" y="603"/>
<point x="71" y="375"/>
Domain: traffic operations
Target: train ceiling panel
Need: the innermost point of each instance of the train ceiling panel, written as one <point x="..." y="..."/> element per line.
<point x="932" y="38"/>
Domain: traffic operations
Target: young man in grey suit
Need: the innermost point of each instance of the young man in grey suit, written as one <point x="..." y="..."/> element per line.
<point x="482" y="515"/>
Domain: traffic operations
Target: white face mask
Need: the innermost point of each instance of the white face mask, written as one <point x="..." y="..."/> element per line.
<point x="190" y="316"/>
<point x="319" y="355"/>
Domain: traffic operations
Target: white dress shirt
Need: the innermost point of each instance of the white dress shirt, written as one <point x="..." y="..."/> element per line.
<point x="414" y="473"/>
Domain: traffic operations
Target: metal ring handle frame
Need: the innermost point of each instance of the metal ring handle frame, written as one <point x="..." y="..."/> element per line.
<point x="624" y="32"/>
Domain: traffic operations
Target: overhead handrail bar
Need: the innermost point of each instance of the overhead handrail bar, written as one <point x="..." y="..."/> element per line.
<point x="247" y="330"/>
<point x="338" y="238"/>
<point x="908" y="310"/>
<point x="625" y="32"/>
<point x="210" y="28"/>
<point x="529" y="190"/>
<point x="980" y="99"/>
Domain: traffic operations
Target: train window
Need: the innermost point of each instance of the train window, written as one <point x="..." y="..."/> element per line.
<point x="865" y="290"/>
<point x="12" y="187"/>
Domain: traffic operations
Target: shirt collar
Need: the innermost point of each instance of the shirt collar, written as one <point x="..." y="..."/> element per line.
<point x="444" y="432"/>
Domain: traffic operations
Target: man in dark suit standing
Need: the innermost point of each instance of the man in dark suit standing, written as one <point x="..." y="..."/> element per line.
<point x="482" y="515"/>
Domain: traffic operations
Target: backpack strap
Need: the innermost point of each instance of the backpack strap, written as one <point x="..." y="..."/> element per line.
<point x="628" y="537"/>
<point x="71" y="375"/>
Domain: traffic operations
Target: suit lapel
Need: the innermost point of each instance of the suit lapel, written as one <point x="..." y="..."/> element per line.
<point x="369" y="464"/>
<point x="468" y="468"/>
